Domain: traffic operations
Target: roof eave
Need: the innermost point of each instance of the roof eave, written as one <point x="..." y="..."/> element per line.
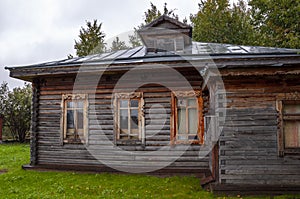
<point x="221" y="62"/>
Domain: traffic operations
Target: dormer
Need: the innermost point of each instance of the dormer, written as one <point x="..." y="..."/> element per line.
<point x="166" y="34"/>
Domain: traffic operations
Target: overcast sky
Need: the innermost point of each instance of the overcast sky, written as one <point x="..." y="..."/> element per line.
<point x="35" y="31"/>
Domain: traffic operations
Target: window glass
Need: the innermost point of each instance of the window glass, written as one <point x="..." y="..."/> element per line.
<point x="134" y="119"/>
<point x="181" y="137"/>
<point x="79" y="119"/>
<point x="193" y="123"/>
<point x="292" y="134"/>
<point x="291" y="109"/>
<point x="181" y="121"/>
<point x="134" y="103"/>
<point x="70" y="119"/>
<point x="181" y="102"/>
<point x="123" y="103"/>
<point x="124" y="119"/>
<point x="192" y="102"/>
<point x="179" y="43"/>
<point x="80" y="105"/>
<point x="70" y="104"/>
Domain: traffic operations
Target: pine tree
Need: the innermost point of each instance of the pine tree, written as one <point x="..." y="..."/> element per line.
<point x="117" y="44"/>
<point x="91" y="39"/>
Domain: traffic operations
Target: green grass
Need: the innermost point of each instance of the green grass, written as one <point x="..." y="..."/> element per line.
<point x="17" y="183"/>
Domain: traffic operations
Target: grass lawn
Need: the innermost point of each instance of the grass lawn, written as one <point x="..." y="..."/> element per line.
<point x="17" y="183"/>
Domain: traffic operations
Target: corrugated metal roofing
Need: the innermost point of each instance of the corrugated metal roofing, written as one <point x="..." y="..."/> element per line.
<point x="139" y="54"/>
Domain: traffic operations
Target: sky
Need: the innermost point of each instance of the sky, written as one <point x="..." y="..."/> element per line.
<point x="36" y="31"/>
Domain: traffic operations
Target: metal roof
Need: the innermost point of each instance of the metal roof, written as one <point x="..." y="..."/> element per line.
<point x="196" y="51"/>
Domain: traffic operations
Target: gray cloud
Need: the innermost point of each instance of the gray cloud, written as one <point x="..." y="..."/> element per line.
<point x="36" y="31"/>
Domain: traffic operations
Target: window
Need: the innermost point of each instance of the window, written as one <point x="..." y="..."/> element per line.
<point x="74" y="118"/>
<point x="187" y="117"/>
<point x="175" y="44"/>
<point x="129" y="119"/>
<point x="289" y="135"/>
<point x="163" y="43"/>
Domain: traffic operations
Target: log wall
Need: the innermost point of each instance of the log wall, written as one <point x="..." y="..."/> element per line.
<point x="50" y="150"/>
<point x="248" y="152"/>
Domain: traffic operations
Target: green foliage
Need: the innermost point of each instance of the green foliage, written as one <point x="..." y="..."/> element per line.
<point x="265" y="22"/>
<point x="16" y="108"/>
<point x="218" y="22"/>
<point x="91" y="39"/>
<point x="153" y="13"/>
<point x="134" y="39"/>
<point x="117" y="44"/>
<point x="277" y="21"/>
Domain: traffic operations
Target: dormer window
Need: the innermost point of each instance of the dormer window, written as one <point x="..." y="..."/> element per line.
<point x="166" y="34"/>
<point x="162" y="44"/>
<point x="170" y="44"/>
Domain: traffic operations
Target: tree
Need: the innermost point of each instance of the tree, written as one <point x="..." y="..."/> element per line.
<point x="153" y="13"/>
<point x="150" y="15"/>
<point x="217" y="22"/>
<point x="16" y="108"/>
<point x="277" y="21"/>
<point x="91" y="39"/>
<point x="118" y="45"/>
<point x="134" y="40"/>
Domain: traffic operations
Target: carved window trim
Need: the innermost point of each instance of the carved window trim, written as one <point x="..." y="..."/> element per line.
<point x="141" y="119"/>
<point x="282" y="100"/>
<point x="76" y="98"/>
<point x="174" y="116"/>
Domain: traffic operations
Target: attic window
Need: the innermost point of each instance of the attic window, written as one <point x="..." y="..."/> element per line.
<point x="170" y="44"/>
<point x="162" y="44"/>
<point x="166" y="34"/>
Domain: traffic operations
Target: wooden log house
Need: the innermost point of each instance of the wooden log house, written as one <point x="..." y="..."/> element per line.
<point x="160" y="106"/>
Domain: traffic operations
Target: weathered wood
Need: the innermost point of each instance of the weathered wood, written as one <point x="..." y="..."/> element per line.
<point x="157" y="109"/>
<point x="248" y="144"/>
<point x="249" y="141"/>
<point x="34" y="122"/>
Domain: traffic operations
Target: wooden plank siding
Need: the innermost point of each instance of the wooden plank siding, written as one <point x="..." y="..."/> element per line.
<point x="157" y="109"/>
<point x="248" y="145"/>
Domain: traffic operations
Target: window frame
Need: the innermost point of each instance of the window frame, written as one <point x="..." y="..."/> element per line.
<point x="69" y="98"/>
<point x="141" y="119"/>
<point x="160" y="43"/>
<point x="288" y="99"/>
<point x="174" y="116"/>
